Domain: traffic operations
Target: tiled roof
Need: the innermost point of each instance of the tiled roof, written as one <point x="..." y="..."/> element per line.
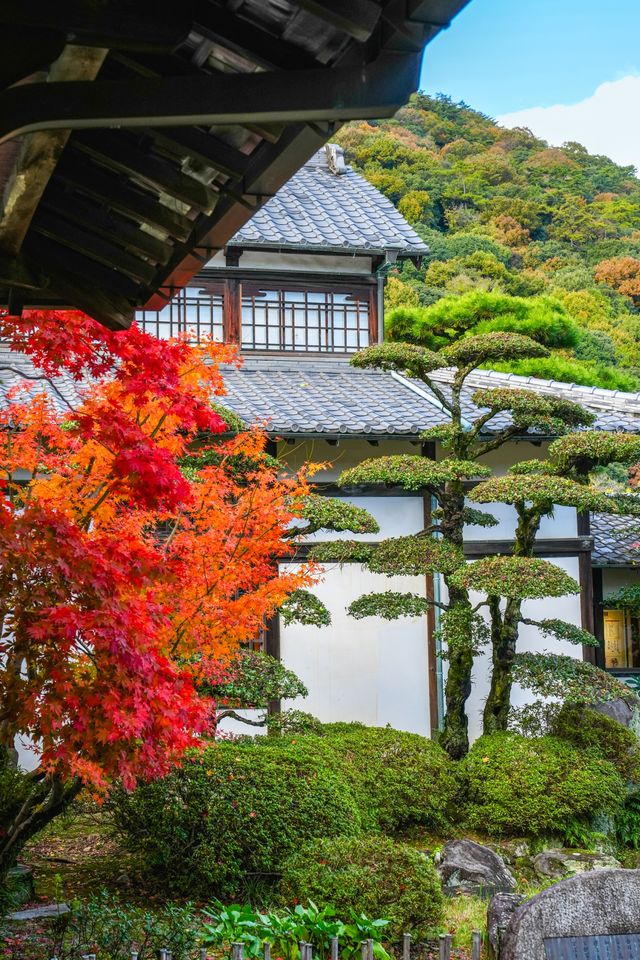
<point x="613" y="540"/>
<point x="16" y="369"/>
<point x="327" y="397"/>
<point x="614" y="409"/>
<point x="326" y="205"/>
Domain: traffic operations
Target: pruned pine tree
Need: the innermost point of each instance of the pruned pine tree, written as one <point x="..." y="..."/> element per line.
<point x="535" y="488"/>
<point x="438" y="548"/>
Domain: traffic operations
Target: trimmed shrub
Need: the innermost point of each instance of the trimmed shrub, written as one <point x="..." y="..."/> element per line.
<point x="535" y="786"/>
<point x="602" y="735"/>
<point x="400" y="779"/>
<point x="371" y="875"/>
<point x="226" y="822"/>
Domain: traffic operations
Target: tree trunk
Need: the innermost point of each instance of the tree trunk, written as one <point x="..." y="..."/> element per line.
<point x="455" y="735"/>
<point x="47" y="797"/>
<point x="504" y="637"/>
<point x="505" y="628"/>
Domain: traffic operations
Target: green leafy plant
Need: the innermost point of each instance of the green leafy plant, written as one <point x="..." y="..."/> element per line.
<point x="515" y="786"/>
<point x="399" y="780"/>
<point x="228" y="819"/>
<point x="370" y="875"/>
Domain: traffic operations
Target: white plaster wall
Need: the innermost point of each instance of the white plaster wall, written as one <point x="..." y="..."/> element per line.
<point x="396" y="517"/>
<point x="374" y="671"/>
<point x="563" y="523"/>
<point x="336" y="458"/>
<point x="530" y="640"/>
<point x="304" y="262"/>
<point x="615" y="578"/>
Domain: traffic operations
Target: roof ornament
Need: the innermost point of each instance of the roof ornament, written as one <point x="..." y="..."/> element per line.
<point x="335" y="159"/>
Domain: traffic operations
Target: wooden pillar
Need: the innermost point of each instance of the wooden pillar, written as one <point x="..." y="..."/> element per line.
<point x="428" y="450"/>
<point x="232" y="310"/>
<point x="585" y="576"/>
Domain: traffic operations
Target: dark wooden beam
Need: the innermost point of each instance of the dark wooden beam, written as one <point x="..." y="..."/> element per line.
<point x="40" y="152"/>
<point x="53" y="258"/>
<point x="116" y="193"/>
<point x="120" y="230"/>
<point x="358" y="18"/>
<point x="216" y="22"/>
<point x="203" y="147"/>
<point x="91" y="245"/>
<point x="143" y="25"/>
<point x="122" y="154"/>
<point x="574" y="547"/>
<point x="372" y="91"/>
<point x="544" y="547"/>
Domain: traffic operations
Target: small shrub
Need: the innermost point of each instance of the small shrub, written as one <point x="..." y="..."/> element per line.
<point x="371" y="875"/>
<point x="627" y="822"/>
<point x="526" y="786"/>
<point x="400" y="779"/>
<point x="602" y="735"/>
<point x="293" y="722"/>
<point x="105" y="927"/>
<point x="226" y="821"/>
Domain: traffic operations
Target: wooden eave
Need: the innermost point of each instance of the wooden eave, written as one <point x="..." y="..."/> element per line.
<point x="138" y="136"/>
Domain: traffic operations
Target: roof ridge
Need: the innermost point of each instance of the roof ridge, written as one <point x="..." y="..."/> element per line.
<point x="597" y="396"/>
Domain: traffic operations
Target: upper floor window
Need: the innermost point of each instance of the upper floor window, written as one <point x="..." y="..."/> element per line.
<point x="273" y="317"/>
<point x="307" y="321"/>
<point x="194" y="309"/>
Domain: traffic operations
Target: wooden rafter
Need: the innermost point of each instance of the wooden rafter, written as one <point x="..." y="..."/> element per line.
<point x="41" y="151"/>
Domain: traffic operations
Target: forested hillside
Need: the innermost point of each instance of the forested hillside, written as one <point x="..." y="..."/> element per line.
<point x="506" y="215"/>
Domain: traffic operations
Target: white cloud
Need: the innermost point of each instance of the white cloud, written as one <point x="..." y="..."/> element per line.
<point x="605" y="123"/>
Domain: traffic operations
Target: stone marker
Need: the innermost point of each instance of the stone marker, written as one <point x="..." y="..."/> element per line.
<point x="469" y="867"/>
<point x="40" y="913"/>
<point x="501" y="908"/>
<point x="590" y="904"/>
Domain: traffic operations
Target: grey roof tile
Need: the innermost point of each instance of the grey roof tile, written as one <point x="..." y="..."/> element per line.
<point x="614" y="540"/>
<point x="17" y="370"/>
<point x="321" y="209"/>
<point x="295" y="396"/>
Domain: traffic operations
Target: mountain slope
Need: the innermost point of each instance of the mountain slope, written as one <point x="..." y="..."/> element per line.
<point x="503" y="211"/>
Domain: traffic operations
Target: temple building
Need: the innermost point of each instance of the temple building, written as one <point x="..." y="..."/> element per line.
<point x="299" y="289"/>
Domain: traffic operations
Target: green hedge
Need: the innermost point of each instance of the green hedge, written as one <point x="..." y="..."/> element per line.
<point x="517" y="785"/>
<point x="224" y="824"/>
<point x="400" y="779"/>
<point x="371" y="875"/>
<point x="588" y="730"/>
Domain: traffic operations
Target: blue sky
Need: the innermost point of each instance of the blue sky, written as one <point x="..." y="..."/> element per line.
<point x="501" y="56"/>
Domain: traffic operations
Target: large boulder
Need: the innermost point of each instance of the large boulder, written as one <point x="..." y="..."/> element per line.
<point x="469" y="867"/>
<point x="597" y="903"/>
<point x="628" y="714"/>
<point x="501" y="908"/>
<point x="560" y="864"/>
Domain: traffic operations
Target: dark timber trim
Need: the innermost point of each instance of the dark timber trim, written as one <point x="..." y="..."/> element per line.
<point x="362" y="92"/>
<point x="585" y="577"/>
<point x="570" y="547"/>
<point x="429" y="451"/>
<point x="598" y="617"/>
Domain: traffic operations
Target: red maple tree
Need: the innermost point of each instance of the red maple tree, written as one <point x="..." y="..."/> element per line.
<point x="137" y="546"/>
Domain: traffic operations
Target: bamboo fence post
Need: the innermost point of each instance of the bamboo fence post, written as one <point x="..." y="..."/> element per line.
<point x="406" y="946"/>
<point x="335" y="948"/>
<point x="267" y="951"/>
<point x="476" y="945"/>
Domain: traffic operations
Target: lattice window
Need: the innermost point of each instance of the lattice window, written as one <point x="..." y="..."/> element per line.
<point x="304" y="321"/>
<point x="194" y="310"/>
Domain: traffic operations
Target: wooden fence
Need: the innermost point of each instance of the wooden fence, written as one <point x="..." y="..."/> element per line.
<point x="306" y="949"/>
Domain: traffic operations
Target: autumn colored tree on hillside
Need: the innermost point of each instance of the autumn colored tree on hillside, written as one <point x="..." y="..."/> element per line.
<point x="621" y="273"/>
<point x="137" y="546"/>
